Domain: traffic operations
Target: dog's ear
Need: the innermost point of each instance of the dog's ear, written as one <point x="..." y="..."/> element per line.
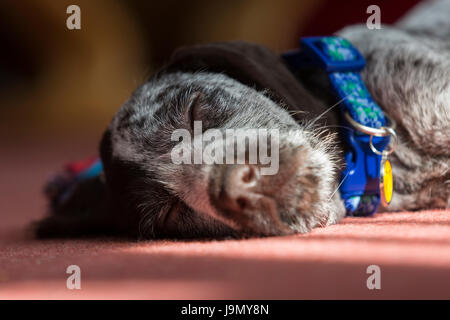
<point x="120" y="177"/>
<point x="193" y="108"/>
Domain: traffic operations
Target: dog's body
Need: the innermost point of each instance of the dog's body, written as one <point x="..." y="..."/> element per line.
<point x="144" y="193"/>
<point x="408" y="74"/>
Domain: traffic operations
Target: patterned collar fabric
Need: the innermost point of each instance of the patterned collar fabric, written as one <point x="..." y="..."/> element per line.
<point x="360" y="180"/>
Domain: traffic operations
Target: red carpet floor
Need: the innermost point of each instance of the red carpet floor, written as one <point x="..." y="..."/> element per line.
<point x="412" y="250"/>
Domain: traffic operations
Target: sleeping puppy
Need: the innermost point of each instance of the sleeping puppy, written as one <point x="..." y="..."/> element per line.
<point x="144" y="193"/>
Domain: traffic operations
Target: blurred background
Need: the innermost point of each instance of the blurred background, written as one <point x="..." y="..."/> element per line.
<point x="59" y="88"/>
<point x="56" y="82"/>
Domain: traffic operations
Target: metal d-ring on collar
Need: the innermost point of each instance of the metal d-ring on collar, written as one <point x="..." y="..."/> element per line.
<point x="377" y="132"/>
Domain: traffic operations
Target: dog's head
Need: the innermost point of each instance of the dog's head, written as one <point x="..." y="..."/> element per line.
<point x="160" y="180"/>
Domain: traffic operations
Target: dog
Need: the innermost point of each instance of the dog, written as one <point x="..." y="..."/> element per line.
<point x="143" y="193"/>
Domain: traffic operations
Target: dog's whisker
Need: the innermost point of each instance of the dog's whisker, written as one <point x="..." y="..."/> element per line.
<point x="337" y="188"/>
<point x="326" y="111"/>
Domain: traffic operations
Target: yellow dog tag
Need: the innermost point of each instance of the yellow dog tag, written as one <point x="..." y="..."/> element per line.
<point x="386" y="180"/>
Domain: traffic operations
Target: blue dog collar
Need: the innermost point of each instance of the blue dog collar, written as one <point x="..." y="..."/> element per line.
<point x="365" y="154"/>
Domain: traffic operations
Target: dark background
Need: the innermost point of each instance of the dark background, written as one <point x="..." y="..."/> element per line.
<point x="60" y="83"/>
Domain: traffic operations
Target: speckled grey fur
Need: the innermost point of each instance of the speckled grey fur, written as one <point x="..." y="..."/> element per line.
<point x="408" y="74"/>
<point x="159" y="107"/>
<point x="147" y="195"/>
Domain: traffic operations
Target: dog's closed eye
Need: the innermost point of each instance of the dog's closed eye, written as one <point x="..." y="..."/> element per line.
<point x="193" y="107"/>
